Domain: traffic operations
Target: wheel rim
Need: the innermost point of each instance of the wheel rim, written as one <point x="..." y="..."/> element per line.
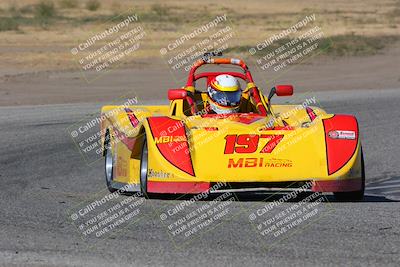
<point x="143" y="168"/>
<point x="109" y="164"/>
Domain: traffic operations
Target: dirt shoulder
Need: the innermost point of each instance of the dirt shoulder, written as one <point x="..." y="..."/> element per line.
<point x="149" y="82"/>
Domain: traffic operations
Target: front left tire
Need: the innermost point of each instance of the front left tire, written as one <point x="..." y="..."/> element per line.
<point x="143" y="168"/>
<point x="109" y="162"/>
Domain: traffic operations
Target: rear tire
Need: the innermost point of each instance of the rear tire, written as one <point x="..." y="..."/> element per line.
<point x="143" y="168"/>
<point x="108" y="162"/>
<point x="353" y="195"/>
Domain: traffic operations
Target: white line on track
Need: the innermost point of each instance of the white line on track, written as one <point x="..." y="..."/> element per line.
<point x="394" y="181"/>
<point x="384" y="186"/>
<point x="393" y="192"/>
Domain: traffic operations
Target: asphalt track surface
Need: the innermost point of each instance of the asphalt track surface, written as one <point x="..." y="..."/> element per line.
<point x="44" y="178"/>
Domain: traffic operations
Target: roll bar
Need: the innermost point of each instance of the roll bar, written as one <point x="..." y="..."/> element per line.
<point x="227" y="61"/>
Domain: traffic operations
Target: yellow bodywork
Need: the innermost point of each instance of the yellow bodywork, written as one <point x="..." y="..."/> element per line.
<point x="299" y="156"/>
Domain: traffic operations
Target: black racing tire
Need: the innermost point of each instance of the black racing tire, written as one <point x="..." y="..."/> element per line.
<point x="108" y="162"/>
<point x="143" y="168"/>
<point x="353" y="196"/>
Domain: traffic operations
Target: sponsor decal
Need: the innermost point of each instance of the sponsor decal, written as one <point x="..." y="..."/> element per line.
<point x="311" y="114"/>
<point x="168" y="144"/>
<point x="337" y="134"/>
<point x="259" y="162"/>
<point x="170" y="139"/>
<point x="159" y="174"/>
<point x="121" y="166"/>
<point x="132" y="118"/>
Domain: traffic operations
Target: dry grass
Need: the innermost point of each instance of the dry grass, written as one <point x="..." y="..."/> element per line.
<point x="36" y="28"/>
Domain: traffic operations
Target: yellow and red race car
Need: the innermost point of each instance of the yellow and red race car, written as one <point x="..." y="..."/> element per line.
<point x="182" y="148"/>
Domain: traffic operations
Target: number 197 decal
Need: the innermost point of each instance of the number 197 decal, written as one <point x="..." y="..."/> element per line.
<point x="248" y="143"/>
